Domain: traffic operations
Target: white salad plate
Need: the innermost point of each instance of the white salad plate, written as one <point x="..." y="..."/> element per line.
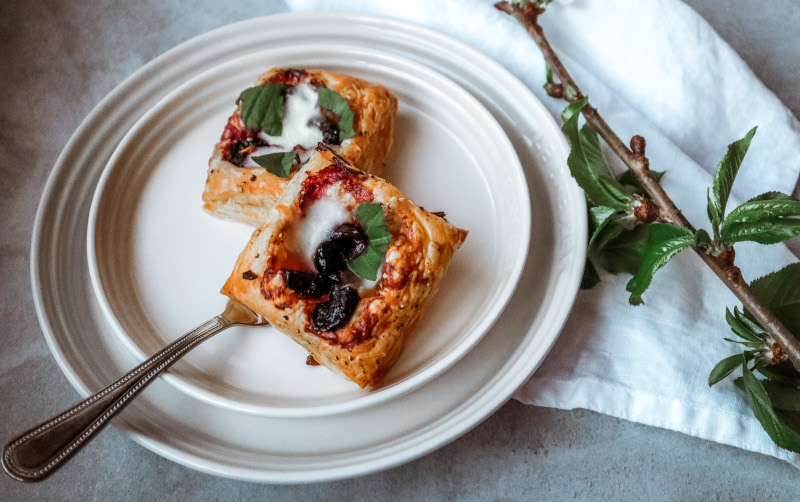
<point x="203" y="415"/>
<point x="157" y="260"/>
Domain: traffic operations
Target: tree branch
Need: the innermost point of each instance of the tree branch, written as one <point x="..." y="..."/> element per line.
<point x="638" y="163"/>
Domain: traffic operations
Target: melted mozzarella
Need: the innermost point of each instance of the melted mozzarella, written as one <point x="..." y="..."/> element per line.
<point x="321" y="218"/>
<point x="298" y="128"/>
<point x="317" y="225"/>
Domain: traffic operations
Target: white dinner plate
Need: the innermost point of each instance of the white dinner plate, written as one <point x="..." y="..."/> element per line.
<point x="225" y="441"/>
<point x="157" y="260"/>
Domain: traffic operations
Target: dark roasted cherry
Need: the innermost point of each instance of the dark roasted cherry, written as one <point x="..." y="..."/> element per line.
<point x="329" y="260"/>
<point x="330" y="131"/>
<point x="239" y="150"/>
<point x="351" y="239"/>
<point x="307" y="283"/>
<point x="337" y="311"/>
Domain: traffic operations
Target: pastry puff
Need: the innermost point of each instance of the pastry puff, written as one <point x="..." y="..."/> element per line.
<point x="246" y="193"/>
<point x="422" y="244"/>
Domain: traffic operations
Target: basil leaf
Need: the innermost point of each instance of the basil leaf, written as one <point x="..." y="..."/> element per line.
<point x="740" y="329"/>
<point x="373" y="221"/>
<point x="771" y="231"/>
<point x="625" y="253"/>
<point x="590" y="277"/>
<point x="263" y="108"/>
<point x="587" y="163"/>
<point x="727" y="169"/>
<point x="665" y="241"/>
<point x="780" y="291"/>
<point x="725" y="368"/>
<point x="762" y="408"/>
<point x="279" y="163"/>
<point x="334" y="102"/>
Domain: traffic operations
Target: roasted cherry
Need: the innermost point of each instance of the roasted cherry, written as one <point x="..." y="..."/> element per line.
<point x="351" y="239"/>
<point x="239" y="150"/>
<point x="307" y="283"/>
<point x="329" y="260"/>
<point x="330" y="131"/>
<point x="337" y="311"/>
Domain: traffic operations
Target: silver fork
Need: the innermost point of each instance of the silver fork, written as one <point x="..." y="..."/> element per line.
<point x="37" y="453"/>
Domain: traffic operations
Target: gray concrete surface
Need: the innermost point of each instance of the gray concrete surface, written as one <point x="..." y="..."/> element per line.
<point x="59" y="59"/>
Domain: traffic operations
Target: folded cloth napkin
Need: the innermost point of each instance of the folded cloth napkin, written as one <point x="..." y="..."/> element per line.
<point x="657" y="69"/>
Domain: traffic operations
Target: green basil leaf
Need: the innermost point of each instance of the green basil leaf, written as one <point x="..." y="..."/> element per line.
<point x="780" y="291"/>
<point x="771" y="231"/>
<point x="625" y="253"/>
<point x="725" y="368"/>
<point x="606" y="228"/>
<point x="590" y="276"/>
<point x="762" y="408"/>
<point x="263" y="108"/>
<point x="334" y="102"/>
<point x="279" y="163"/>
<point x="665" y="241"/>
<point x="740" y="329"/>
<point x="727" y="169"/>
<point x="373" y="221"/>
<point x="593" y="177"/>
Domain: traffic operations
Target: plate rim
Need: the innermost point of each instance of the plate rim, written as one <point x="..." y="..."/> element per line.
<point x="419" y="378"/>
<point x="556" y="317"/>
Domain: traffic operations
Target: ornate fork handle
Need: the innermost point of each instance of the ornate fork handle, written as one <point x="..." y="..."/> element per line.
<point x="39" y="452"/>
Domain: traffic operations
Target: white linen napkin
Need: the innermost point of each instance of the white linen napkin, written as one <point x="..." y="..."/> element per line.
<point x="657" y="69"/>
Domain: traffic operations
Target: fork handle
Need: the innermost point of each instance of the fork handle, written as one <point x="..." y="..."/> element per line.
<point x="39" y="452"/>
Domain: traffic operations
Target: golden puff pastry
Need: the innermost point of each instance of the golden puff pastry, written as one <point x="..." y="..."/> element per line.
<point x="239" y="189"/>
<point x="275" y="273"/>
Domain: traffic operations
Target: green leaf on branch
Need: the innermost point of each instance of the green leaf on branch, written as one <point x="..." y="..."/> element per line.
<point x="724" y="177"/>
<point x="727" y="366"/>
<point x="665" y="241"/>
<point x="780" y="291"/>
<point x="741" y="330"/>
<point x="702" y="239"/>
<point x="765" y="206"/>
<point x="588" y="164"/>
<point x="782" y="397"/>
<point x="761" y="404"/>
<point x="764" y="219"/>
<point x="631" y="184"/>
<point x="605" y="228"/>
<point x="590" y="276"/>
<point x="770" y="231"/>
<point x="625" y="253"/>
